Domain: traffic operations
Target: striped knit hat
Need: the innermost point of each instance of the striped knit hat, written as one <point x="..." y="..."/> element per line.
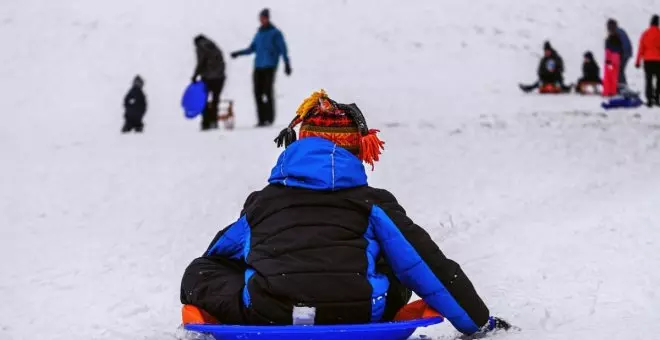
<point x="342" y="124"/>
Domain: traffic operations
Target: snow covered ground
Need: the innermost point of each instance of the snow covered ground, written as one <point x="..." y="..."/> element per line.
<point x="550" y="203"/>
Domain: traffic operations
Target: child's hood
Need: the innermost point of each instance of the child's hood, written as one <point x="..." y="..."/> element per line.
<point x="318" y="164"/>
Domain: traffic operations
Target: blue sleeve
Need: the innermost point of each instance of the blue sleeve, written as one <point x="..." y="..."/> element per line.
<point x="250" y="49"/>
<point x="281" y="47"/>
<point x="627" y="45"/>
<point x="420" y="265"/>
<point x="231" y="242"/>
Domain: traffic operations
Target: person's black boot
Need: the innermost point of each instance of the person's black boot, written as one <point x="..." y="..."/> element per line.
<point x="526" y="89"/>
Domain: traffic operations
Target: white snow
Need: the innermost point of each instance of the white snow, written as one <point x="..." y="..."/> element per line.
<point x="549" y="203"/>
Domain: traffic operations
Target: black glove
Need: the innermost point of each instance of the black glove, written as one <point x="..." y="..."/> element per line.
<point x="495" y="323"/>
<point x="287" y="69"/>
<point x="234" y="55"/>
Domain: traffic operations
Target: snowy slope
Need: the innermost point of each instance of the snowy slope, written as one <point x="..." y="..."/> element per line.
<point x="549" y="203"/>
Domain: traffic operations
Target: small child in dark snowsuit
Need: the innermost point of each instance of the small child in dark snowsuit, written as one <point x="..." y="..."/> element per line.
<point x="590" y="73"/>
<point x="135" y="104"/>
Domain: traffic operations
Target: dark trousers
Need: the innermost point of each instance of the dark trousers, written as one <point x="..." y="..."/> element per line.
<point x="622" y="71"/>
<point x="216" y="286"/>
<point x="210" y="115"/>
<point x="652" y="72"/>
<point x="132" y="121"/>
<point x="546" y="79"/>
<point x="263" y="80"/>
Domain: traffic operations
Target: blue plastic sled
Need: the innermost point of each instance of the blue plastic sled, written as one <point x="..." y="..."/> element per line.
<point x="194" y="99"/>
<point x="622" y="103"/>
<point x="397" y="330"/>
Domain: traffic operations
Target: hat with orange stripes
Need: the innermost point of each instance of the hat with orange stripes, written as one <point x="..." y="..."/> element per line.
<point x="342" y="124"/>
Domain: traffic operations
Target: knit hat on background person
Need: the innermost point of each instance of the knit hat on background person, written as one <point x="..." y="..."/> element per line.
<point x="655" y="20"/>
<point x="265" y="13"/>
<point x="589" y="55"/>
<point x="342" y="124"/>
<point x="612" y="24"/>
<point x="547" y="46"/>
<point x="138" y="81"/>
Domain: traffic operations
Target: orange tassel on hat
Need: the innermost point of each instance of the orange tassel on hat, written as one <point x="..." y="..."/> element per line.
<point x="318" y="111"/>
<point x="370" y="148"/>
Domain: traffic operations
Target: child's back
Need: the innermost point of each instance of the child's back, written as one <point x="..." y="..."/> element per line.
<point x="590" y="69"/>
<point x="319" y="236"/>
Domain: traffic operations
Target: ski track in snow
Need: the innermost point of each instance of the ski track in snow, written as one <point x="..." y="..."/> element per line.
<point x="549" y="203"/>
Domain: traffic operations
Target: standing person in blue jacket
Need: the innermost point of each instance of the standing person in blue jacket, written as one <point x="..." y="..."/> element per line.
<point x="269" y="45"/>
<point x="625" y="48"/>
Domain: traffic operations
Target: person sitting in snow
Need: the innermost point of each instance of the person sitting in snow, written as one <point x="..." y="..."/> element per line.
<point x="550" y="71"/>
<point x="590" y="74"/>
<point x="318" y="236"/>
<point x="135" y="106"/>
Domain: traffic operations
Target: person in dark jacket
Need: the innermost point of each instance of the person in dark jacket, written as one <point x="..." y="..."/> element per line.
<point x="590" y="73"/>
<point x="211" y="68"/>
<point x="269" y="45"/>
<point x="550" y="70"/>
<point x="135" y="107"/>
<point x="618" y="41"/>
<point x="318" y="236"/>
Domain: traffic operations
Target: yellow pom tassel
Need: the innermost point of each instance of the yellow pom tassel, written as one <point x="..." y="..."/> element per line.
<point x="310" y="102"/>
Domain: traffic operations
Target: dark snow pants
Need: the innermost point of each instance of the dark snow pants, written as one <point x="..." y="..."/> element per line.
<point x="652" y="73"/>
<point x="547" y="79"/>
<point x="622" y="71"/>
<point x="215" y="285"/>
<point x="132" y="121"/>
<point x="263" y="81"/>
<point x="210" y="115"/>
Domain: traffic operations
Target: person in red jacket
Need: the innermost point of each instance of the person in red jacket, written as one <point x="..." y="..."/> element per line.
<point x="649" y="53"/>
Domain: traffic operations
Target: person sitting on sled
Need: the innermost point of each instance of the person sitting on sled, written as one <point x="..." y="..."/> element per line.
<point x="318" y="236"/>
<point x="590" y="75"/>
<point x="550" y="72"/>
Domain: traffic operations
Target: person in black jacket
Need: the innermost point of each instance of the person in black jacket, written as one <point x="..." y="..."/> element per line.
<point x="318" y="236"/>
<point x="590" y="73"/>
<point x="135" y="107"/>
<point x="550" y="70"/>
<point x="211" y="68"/>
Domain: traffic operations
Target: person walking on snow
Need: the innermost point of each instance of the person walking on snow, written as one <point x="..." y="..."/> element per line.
<point x="622" y="45"/>
<point x="135" y="106"/>
<point x="550" y="70"/>
<point x="211" y="68"/>
<point x="319" y="237"/>
<point x="269" y="45"/>
<point x="649" y="53"/>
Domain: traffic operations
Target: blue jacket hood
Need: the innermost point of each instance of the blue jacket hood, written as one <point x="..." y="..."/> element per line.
<point x="318" y="164"/>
